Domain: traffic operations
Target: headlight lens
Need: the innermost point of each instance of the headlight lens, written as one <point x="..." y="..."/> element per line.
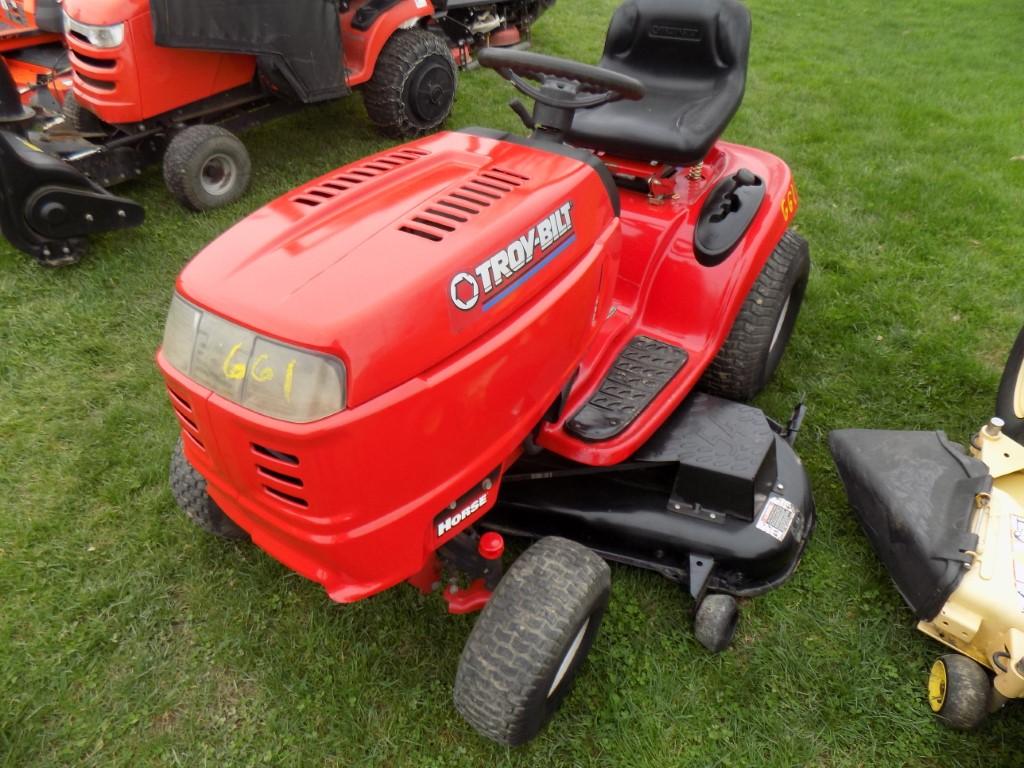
<point x="264" y="375"/>
<point x="100" y="36"/>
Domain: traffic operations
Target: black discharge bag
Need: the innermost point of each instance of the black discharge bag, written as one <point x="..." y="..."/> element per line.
<point x="297" y="42"/>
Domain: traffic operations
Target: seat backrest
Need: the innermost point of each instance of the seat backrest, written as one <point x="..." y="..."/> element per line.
<point x="675" y="44"/>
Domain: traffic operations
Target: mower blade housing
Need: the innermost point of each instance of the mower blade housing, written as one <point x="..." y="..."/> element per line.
<point x="715" y="500"/>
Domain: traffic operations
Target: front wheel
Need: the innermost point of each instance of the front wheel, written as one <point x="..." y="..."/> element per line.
<point x="530" y="640"/>
<point x="189" y="490"/>
<point x="206" y="167"/>
<point x="413" y="86"/>
<point x="1010" y="400"/>
<point x="755" y="345"/>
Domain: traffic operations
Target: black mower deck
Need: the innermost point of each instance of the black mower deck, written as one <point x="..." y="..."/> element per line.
<point x="716" y="500"/>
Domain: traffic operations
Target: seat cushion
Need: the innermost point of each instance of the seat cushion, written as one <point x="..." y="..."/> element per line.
<point x="692" y="57"/>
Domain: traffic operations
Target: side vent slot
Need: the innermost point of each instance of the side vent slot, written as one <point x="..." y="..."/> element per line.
<point x="420" y="233"/>
<point x="447" y="215"/>
<point x="471" y="200"/>
<point x="286" y="497"/>
<point x="477" y="189"/>
<point x="490" y="183"/>
<point x="286" y="458"/>
<point x="457" y="207"/>
<point x="434" y="224"/>
<point x="281" y="477"/>
<point x="510" y="175"/>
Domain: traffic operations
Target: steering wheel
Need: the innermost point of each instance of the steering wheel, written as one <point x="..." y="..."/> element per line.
<point x="564" y="84"/>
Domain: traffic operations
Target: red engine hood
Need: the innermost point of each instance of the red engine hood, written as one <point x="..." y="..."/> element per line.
<point x="399" y="261"/>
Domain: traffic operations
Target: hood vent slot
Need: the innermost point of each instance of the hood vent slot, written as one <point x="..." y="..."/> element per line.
<point x="352" y="177"/>
<point x="446" y="214"/>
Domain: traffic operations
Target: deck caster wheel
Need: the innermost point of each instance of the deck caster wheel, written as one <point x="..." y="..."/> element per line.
<point x="189" y="490"/>
<point x="759" y="336"/>
<point x="715" y="623"/>
<point x="413" y="85"/>
<point x="206" y="167"/>
<point x="959" y="691"/>
<point x="1010" y="400"/>
<point x="524" y="652"/>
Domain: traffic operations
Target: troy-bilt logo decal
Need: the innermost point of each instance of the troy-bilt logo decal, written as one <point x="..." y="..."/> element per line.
<point x="501" y="274"/>
<point x="445" y="525"/>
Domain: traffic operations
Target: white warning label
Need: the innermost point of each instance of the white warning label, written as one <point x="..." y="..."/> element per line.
<point x="776" y="517"/>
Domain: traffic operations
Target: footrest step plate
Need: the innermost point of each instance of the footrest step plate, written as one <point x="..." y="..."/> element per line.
<point x="641" y="371"/>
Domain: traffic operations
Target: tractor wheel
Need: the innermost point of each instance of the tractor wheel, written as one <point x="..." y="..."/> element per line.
<point x="1010" y="400"/>
<point x="755" y="345"/>
<point x="959" y="691"/>
<point x="78" y="118"/>
<point x="206" y="167"/>
<point x="528" y="644"/>
<point x="413" y="85"/>
<point x="189" y="489"/>
<point x="715" y="622"/>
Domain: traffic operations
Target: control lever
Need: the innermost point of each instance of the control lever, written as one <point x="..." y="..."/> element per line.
<point x="524" y="114"/>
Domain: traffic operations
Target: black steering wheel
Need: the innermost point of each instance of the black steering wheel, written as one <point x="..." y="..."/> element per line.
<point x="564" y="84"/>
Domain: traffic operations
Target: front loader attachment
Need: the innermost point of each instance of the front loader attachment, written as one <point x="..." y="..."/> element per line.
<point x="48" y="208"/>
<point x="914" y="494"/>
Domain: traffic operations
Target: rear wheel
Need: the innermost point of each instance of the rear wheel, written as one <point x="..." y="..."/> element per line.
<point x="206" y="167"/>
<point x="959" y="691"/>
<point x="1010" y="400"/>
<point x="524" y="652"/>
<point x="755" y="345"/>
<point x="189" y="489"/>
<point x="413" y="85"/>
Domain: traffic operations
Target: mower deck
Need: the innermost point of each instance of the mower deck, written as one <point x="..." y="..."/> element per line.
<point x="716" y="500"/>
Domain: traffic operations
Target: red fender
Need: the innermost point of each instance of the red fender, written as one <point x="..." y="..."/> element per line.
<point x="362" y="47"/>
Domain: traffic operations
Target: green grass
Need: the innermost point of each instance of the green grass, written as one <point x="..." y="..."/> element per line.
<point x="128" y="638"/>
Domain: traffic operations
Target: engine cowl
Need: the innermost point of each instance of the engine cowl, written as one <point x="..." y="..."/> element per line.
<point x="398" y="261"/>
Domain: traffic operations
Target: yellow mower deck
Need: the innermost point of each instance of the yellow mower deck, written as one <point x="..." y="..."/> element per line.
<point x="984" y="616"/>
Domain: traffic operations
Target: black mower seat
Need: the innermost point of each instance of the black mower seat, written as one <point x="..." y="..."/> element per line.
<point x="692" y="56"/>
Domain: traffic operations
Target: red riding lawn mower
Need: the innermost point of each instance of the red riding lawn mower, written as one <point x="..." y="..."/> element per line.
<point x="173" y="81"/>
<point x="380" y="373"/>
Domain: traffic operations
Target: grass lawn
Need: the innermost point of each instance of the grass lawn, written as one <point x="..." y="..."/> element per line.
<point x="129" y="638"/>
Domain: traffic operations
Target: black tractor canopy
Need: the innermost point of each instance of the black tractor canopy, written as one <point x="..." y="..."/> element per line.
<point x="298" y="42"/>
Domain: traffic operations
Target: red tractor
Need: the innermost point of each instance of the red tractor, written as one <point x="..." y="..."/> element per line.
<point x="174" y="81"/>
<point x="477" y="333"/>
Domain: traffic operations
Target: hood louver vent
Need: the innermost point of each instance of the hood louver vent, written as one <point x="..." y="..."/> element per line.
<point x="444" y="215"/>
<point x="353" y="177"/>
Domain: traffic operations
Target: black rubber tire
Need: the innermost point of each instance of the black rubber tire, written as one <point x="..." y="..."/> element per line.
<point x="413" y="86"/>
<point x="549" y="603"/>
<point x="715" y="622"/>
<point x="755" y="345"/>
<point x="206" y="150"/>
<point x="1010" y="400"/>
<point x="78" y="118"/>
<point x="967" y="693"/>
<point x="189" y="490"/>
